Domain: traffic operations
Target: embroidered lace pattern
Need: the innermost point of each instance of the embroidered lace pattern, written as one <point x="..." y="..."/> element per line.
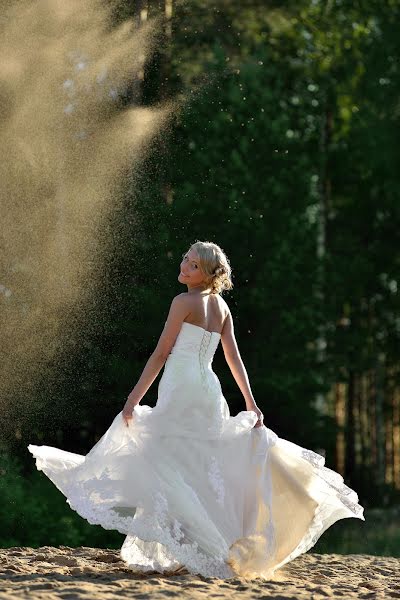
<point x="155" y="525"/>
<point x="216" y="479"/>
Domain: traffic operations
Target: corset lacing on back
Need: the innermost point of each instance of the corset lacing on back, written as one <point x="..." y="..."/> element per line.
<point x="194" y="340"/>
<point x="203" y="350"/>
<point x="196" y="346"/>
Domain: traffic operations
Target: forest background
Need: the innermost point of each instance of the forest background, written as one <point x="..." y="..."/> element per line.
<point x="286" y="154"/>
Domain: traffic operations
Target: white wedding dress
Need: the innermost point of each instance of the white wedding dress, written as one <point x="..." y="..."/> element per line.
<point x="192" y="486"/>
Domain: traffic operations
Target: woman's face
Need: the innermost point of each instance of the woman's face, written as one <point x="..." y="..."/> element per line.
<point x="190" y="269"/>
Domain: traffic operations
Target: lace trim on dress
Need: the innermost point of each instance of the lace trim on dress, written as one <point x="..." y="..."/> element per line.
<point x="143" y="556"/>
<point x="347" y="495"/>
<point x="155" y="525"/>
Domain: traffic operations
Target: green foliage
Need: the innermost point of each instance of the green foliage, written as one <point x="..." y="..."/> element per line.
<point x="35" y="513"/>
<point x="378" y="535"/>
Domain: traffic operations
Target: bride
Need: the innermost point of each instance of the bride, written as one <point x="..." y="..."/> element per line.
<point x="190" y="485"/>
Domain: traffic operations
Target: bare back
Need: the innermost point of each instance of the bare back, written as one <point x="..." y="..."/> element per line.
<point x="208" y="312"/>
<point x="212" y="313"/>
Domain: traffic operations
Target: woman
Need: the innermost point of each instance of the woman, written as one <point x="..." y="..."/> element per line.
<point x="190" y="485"/>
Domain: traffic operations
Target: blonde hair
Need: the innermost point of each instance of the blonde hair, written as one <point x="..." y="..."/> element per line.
<point x="214" y="264"/>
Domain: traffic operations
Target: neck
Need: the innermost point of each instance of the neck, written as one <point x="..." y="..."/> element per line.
<point x="200" y="291"/>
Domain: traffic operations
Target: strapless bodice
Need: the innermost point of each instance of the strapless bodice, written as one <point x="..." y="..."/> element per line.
<point x="189" y="391"/>
<point x="194" y="341"/>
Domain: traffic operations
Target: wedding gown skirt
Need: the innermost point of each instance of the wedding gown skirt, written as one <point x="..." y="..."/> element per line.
<point x="192" y="486"/>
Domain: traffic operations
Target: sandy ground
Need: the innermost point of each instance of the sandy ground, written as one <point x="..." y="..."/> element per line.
<point x="94" y="573"/>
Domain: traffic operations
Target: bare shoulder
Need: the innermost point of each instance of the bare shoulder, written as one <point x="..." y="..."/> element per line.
<point x="178" y="311"/>
<point x="224" y="306"/>
<point x="187" y="296"/>
<point x="183" y="301"/>
<point x="225" y="311"/>
<point x="183" y="297"/>
<point x="181" y="305"/>
<point x="192" y="301"/>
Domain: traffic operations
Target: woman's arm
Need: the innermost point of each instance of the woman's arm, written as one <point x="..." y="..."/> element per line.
<point x="239" y="373"/>
<point x="150" y="372"/>
<point x="177" y="312"/>
<point x="238" y="370"/>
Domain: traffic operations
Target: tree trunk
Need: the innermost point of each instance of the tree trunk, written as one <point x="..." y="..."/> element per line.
<point x="350" y="427"/>
<point x="340" y="413"/>
<point x="324" y="200"/>
<point x="379" y="420"/>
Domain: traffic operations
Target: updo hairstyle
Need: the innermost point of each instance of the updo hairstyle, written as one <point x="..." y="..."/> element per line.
<point x="215" y="266"/>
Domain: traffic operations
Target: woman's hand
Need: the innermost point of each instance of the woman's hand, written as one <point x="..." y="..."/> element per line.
<point x="260" y="416"/>
<point x="127" y="413"/>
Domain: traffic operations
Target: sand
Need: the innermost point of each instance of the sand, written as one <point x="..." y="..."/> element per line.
<point x="88" y="573"/>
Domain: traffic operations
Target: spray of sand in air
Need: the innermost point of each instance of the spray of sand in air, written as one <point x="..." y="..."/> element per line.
<point x="66" y="143"/>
